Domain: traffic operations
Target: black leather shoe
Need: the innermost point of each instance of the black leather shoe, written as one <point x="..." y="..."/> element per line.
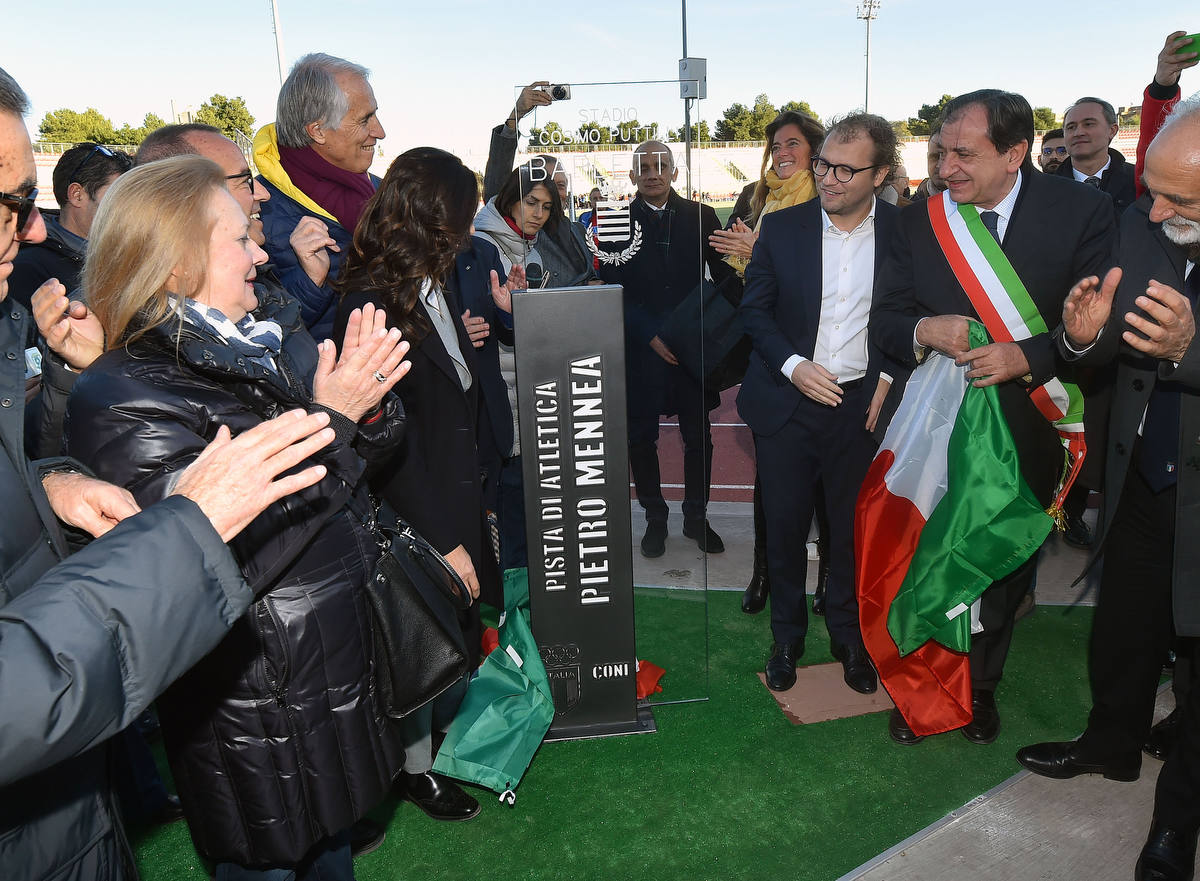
<point x="781" y="666"/>
<point x="1162" y="737"/>
<point x="900" y="731"/>
<point x="754" y="598"/>
<point x="438" y="796"/>
<point x="1168" y="855"/>
<point x="1077" y="533"/>
<point x="703" y="535"/>
<point x="654" y="542"/>
<point x="1064" y="760"/>
<point x="365" y="836"/>
<point x="169" y="811"/>
<point x="857" y="669"/>
<point x="985" y="718"/>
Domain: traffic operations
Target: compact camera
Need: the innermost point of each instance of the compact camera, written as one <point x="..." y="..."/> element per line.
<point x="558" y="91"/>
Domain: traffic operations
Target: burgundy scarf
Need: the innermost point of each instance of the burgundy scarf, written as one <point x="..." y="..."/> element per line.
<point x="342" y="193"/>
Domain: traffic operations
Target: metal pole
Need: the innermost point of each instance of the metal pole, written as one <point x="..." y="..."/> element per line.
<point x="278" y="38"/>
<point x="867" y="11"/>
<point x="687" y="116"/>
<point x="867" y="86"/>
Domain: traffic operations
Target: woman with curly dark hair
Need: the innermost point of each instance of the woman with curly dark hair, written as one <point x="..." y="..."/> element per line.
<point x="413" y="256"/>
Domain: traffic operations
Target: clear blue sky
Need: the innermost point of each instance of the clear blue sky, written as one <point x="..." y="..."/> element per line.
<point x="445" y="71"/>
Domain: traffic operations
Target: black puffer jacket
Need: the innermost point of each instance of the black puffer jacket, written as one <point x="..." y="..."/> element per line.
<point x="275" y="738"/>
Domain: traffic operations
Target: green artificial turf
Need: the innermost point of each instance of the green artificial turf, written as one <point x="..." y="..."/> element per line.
<point x="727" y="788"/>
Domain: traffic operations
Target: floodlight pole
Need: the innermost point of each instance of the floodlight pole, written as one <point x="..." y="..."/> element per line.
<point x="278" y="38"/>
<point x="687" y="115"/>
<point x="867" y="11"/>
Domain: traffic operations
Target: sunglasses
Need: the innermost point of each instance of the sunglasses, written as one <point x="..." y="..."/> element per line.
<point x="22" y="206"/>
<point x="103" y="151"/>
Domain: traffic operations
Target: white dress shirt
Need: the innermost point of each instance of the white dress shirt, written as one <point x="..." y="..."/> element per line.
<point x="1082" y="178"/>
<point x="847" y="278"/>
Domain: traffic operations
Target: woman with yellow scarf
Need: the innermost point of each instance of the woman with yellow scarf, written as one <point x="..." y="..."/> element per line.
<point x="786" y="180"/>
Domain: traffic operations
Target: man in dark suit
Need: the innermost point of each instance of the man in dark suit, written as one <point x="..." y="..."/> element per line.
<point x="1152" y="490"/>
<point x="813" y="389"/>
<point x="1052" y="233"/>
<point x="659" y="265"/>
<point x="1089" y="126"/>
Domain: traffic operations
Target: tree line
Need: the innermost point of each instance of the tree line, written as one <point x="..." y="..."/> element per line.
<point x="68" y="126"/>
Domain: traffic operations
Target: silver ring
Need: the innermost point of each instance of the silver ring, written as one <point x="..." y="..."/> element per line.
<point x="379" y="376"/>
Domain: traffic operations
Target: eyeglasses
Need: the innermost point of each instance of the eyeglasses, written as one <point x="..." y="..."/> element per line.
<point x="247" y="174"/>
<point x="103" y="151"/>
<point x="22" y="206"/>
<point x="1050" y="151"/>
<point x="844" y="173"/>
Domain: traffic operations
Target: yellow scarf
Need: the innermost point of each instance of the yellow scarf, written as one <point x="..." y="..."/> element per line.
<point x="798" y="188"/>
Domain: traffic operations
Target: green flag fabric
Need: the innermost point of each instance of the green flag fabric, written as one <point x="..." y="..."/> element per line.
<point x="508" y="707"/>
<point x="985" y="526"/>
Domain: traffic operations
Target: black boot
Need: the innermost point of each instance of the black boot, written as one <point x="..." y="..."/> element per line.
<point x="754" y="600"/>
<point x="818" y="605"/>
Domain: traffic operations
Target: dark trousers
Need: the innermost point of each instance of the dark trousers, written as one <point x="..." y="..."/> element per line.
<point x="1177" y="795"/>
<point x="817" y="445"/>
<point x="1132" y="627"/>
<point x="654" y="389"/>
<point x="998" y="605"/>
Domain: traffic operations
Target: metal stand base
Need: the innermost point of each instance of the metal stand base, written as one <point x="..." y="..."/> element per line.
<point x="644" y="724"/>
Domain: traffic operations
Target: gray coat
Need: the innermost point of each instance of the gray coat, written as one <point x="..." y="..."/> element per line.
<point x="85" y="645"/>
<point x="1145" y="253"/>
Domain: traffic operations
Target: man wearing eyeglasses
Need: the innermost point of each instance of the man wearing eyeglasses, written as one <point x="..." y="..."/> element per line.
<point x="81" y="178"/>
<point x="1051" y="233"/>
<point x="814" y="387"/>
<point x="1053" y="152"/>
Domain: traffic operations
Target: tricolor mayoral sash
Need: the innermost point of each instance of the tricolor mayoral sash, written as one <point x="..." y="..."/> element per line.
<point x="1009" y="314"/>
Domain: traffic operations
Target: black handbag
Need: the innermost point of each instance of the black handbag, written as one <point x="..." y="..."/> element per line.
<point x="415" y="597"/>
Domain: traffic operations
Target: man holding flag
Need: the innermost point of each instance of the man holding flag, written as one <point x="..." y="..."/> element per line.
<point x="998" y="250"/>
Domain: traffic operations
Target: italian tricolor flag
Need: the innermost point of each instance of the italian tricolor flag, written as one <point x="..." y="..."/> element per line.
<point x="942" y="514"/>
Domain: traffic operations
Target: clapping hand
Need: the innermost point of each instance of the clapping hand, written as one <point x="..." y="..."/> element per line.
<point x="1088" y="306"/>
<point x="234" y="479"/>
<point x="311" y="243"/>
<point x="502" y="294"/>
<point x="1168" y="332"/>
<point x="72" y="331"/>
<point x="370" y="364"/>
<point x="737" y="241"/>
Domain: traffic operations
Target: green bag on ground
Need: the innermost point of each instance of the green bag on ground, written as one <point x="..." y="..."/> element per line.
<point x="507" y="709"/>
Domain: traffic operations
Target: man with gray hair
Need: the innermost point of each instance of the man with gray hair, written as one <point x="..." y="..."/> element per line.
<point x="1089" y="126"/>
<point x="1151" y="490"/>
<point x="314" y="160"/>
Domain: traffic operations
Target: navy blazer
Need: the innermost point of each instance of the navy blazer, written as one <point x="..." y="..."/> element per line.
<point x="781" y="309"/>
<point x="472" y="282"/>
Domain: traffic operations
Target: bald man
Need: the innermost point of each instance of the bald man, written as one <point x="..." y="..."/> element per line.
<point x="1148" y="588"/>
<point x="659" y="263"/>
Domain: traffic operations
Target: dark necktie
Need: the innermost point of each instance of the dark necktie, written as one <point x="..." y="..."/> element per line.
<point x="1157" y="460"/>
<point x="990" y="220"/>
<point x="1093" y="182"/>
